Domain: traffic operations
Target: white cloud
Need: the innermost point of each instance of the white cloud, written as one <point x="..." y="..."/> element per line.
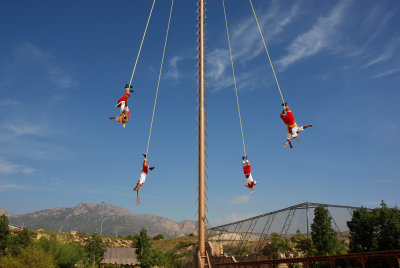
<point x="10" y="168"/>
<point x="55" y="73"/>
<point x="28" y="57"/>
<point x="246" y="45"/>
<point x="173" y="72"/>
<point x="8" y="102"/>
<point x="25" y="129"/>
<point x="5" y="187"/>
<point x="376" y="20"/>
<point x="10" y="132"/>
<point x="385" y="73"/>
<point x="241" y="199"/>
<point x="233" y="218"/>
<point x="320" y="36"/>
<point x="387" y="53"/>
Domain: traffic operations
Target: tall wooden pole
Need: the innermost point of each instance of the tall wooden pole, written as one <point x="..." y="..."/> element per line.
<point x="201" y="224"/>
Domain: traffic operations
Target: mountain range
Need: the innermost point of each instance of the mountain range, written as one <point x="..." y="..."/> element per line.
<point x="87" y="218"/>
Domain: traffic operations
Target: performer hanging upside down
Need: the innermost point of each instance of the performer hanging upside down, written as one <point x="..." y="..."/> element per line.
<point x="123" y="118"/>
<point x="292" y="128"/>
<point x="249" y="182"/>
<point x="143" y="175"/>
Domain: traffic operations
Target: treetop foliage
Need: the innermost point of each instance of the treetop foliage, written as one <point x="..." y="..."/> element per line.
<point x="375" y="230"/>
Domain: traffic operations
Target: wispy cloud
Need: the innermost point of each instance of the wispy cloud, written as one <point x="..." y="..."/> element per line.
<point x="385" y="73"/>
<point x="11" y="132"/>
<point x="25" y="129"/>
<point x="320" y="36"/>
<point x="5" y="187"/>
<point x="27" y="55"/>
<point x="30" y="139"/>
<point x="10" y="168"/>
<point x="387" y="53"/>
<point x="8" y="102"/>
<point x="246" y="44"/>
<point x="173" y="71"/>
<point x="376" y="20"/>
<point x="55" y="73"/>
<point x="241" y="199"/>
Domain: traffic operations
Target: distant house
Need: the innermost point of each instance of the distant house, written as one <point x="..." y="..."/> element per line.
<point x="120" y="256"/>
<point x="74" y="232"/>
<point x="14" y="227"/>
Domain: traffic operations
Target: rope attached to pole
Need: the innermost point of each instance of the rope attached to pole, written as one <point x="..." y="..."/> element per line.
<point x="234" y="79"/>
<point x="140" y="48"/>
<point x="269" y="58"/>
<point x="159" y="77"/>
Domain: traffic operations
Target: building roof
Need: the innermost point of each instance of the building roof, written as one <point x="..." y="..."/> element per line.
<point x="123" y="256"/>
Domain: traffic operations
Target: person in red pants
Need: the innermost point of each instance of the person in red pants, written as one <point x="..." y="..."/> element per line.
<point x="292" y="128"/>
<point x="142" y="178"/>
<point x="123" y="118"/>
<point x="249" y="182"/>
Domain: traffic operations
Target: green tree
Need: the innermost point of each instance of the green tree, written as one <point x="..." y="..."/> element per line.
<point x="4" y="232"/>
<point x="375" y="230"/>
<point x="362" y="227"/>
<point x="147" y="256"/>
<point x="19" y="241"/>
<point x="323" y="235"/>
<point x="159" y="237"/>
<point x="302" y="244"/>
<point x="279" y="246"/>
<point x="143" y="247"/>
<point x="94" y="248"/>
<point x="388" y="224"/>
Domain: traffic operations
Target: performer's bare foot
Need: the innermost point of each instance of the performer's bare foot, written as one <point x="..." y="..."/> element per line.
<point x="111" y="118"/>
<point x="310" y="125"/>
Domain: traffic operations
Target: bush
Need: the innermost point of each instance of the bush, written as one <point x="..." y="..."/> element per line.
<point x="302" y="244"/>
<point x="31" y="256"/>
<point x="129" y="237"/>
<point x="158" y="237"/>
<point x="19" y="241"/>
<point x="65" y="255"/>
<point x="279" y="246"/>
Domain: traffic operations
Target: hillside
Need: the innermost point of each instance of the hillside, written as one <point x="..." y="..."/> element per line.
<point x="5" y="212"/>
<point x="86" y="218"/>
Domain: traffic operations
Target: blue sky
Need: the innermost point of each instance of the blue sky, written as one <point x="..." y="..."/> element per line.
<point x="63" y="66"/>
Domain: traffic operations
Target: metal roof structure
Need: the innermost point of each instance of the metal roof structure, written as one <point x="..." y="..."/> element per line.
<point x="254" y="232"/>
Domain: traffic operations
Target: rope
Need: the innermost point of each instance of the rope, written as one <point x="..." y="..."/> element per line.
<point x="159" y="77"/>
<point x="140" y="48"/>
<point x="234" y="79"/>
<point x="269" y="58"/>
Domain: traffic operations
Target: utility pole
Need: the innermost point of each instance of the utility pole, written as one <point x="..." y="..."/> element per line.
<point x="201" y="221"/>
